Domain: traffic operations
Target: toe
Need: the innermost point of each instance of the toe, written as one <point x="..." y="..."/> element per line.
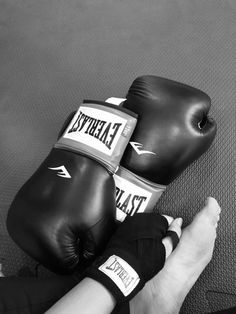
<point x="210" y="213"/>
<point x="213" y="206"/>
<point x="213" y="210"/>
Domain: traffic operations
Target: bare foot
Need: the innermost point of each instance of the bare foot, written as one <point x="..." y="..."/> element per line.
<point x="166" y="292"/>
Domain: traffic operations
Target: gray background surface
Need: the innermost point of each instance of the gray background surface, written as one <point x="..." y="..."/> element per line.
<point x="53" y="54"/>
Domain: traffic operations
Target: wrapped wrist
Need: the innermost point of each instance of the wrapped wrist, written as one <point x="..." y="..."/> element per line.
<point x="119" y="272"/>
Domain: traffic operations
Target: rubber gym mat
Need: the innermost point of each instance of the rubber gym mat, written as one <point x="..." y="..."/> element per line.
<point x="54" y="54"/>
<point x="216" y="300"/>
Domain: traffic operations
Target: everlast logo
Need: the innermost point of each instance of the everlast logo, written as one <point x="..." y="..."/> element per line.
<point x="120" y="272"/>
<point x="102" y="130"/>
<point x="129" y="203"/>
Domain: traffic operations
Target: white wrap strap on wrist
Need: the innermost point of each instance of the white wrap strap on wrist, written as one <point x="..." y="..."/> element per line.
<point x="134" y="194"/>
<point x="100" y="131"/>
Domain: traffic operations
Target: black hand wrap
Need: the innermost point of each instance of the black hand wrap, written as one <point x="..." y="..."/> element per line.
<point x="134" y="255"/>
<point x="174" y="237"/>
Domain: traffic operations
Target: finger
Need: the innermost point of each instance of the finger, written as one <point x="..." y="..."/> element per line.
<point x="173" y="235"/>
<point x="169" y="219"/>
<point x="176" y="226"/>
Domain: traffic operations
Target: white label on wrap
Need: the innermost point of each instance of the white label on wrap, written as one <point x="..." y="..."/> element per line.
<point x="97" y="128"/>
<point x="130" y="198"/>
<point x="121" y="273"/>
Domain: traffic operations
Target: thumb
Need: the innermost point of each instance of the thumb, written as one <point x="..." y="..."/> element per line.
<point x="171" y="240"/>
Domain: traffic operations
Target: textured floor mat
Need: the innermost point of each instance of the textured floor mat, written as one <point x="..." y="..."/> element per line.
<point x="218" y="300"/>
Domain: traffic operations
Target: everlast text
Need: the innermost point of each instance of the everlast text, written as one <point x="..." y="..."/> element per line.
<point x="127" y="202"/>
<point x="104" y="131"/>
<point x="119" y="270"/>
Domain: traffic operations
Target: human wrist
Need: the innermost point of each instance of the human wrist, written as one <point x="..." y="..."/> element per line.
<point x="119" y="272"/>
<point x="123" y="267"/>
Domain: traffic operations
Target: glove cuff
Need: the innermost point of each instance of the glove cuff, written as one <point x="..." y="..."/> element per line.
<point x="119" y="272"/>
<point x="134" y="194"/>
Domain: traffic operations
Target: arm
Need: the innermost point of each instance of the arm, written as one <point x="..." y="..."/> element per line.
<point x="88" y="297"/>
<point x="121" y="271"/>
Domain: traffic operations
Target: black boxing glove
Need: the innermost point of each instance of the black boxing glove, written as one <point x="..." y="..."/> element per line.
<point x="63" y="215"/>
<point x="134" y="254"/>
<point x="174" y="129"/>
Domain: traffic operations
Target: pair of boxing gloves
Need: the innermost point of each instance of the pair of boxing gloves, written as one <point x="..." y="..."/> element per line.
<point x="109" y="161"/>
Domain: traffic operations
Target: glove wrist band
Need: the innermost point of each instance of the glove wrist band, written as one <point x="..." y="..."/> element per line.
<point x="135" y="194"/>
